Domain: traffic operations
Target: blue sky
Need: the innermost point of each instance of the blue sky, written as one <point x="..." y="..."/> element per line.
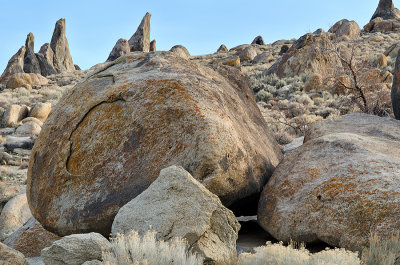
<point x="93" y="27"/>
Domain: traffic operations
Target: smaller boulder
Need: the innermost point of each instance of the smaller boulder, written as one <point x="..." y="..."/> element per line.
<point x="120" y="48"/>
<point x="9" y="256"/>
<point x="14" y="142"/>
<point x="32" y="119"/>
<point x="14" y="114"/>
<point x="346" y="29"/>
<point x="258" y="40"/>
<point x="247" y="54"/>
<point x="222" y="48"/>
<point x="76" y="249"/>
<point x="314" y="82"/>
<point x="29" y="128"/>
<point x="264" y="57"/>
<point x="284" y="49"/>
<point x="230" y="61"/>
<point x="15" y="213"/>
<point x="31" y="238"/>
<point x="180" y="51"/>
<point x="177" y="205"/>
<point x="382" y="60"/>
<point x="26" y="80"/>
<point x="41" y="111"/>
<point x="153" y="46"/>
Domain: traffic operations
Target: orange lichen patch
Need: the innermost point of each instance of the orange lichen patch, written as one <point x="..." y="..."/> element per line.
<point x="314" y="173"/>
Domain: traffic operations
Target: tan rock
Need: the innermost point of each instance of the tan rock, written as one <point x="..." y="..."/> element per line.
<point x="314" y="82"/>
<point x="26" y="80"/>
<point x="125" y="123"/>
<point x="230" y="61"/>
<point x="222" y="48"/>
<point x="32" y="119"/>
<point x="28" y="128"/>
<point x="121" y="47"/>
<point x="346" y="28"/>
<point x="15" y="213"/>
<point x="382" y="60"/>
<point x="31" y="238"/>
<point x="153" y="47"/>
<point x="177" y="205"/>
<point x="41" y="111"/>
<point x="247" y="54"/>
<point x="339" y="186"/>
<point x="14" y="114"/>
<point x="9" y="256"/>
<point x="15" y="65"/>
<point x="140" y="41"/>
<point x="62" y="60"/>
<point x="181" y="51"/>
<point x="371" y="24"/>
<point x="342" y="84"/>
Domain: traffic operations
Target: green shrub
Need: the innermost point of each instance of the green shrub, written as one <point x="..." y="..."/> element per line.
<point x="263" y="95"/>
<point x="147" y="250"/>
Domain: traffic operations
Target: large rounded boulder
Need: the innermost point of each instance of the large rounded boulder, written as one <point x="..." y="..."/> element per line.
<point x="108" y="138"/>
<point x="339" y="186"/>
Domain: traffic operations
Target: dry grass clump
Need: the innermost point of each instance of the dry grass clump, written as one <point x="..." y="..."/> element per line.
<point x="147" y="250"/>
<point x="382" y="252"/>
<point x="278" y="254"/>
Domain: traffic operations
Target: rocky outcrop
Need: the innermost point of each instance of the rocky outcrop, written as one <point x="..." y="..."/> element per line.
<point x="46" y="58"/>
<point x="26" y="80"/>
<point x="153" y="46"/>
<point x="258" y="40"/>
<point x="222" y="48"/>
<point x="62" y="60"/>
<point x="30" y="238"/>
<point x="120" y="48"/>
<point x="15" y="65"/>
<point x="309" y="54"/>
<point x="140" y="41"/>
<point x="76" y="249"/>
<point x="14" y="114"/>
<point x="339" y="186"/>
<point x="148" y="111"/>
<point x="345" y="29"/>
<point x="15" y="213"/>
<point x="181" y="51"/>
<point x="395" y="95"/>
<point x="386" y="10"/>
<point x="10" y="256"/>
<point x="31" y="63"/>
<point x="177" y="205"/>
<point x="247" y="54"/>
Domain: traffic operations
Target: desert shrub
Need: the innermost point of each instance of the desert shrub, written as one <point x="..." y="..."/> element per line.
<point x="382" y="252"/>
<point x="147" y="250"/>
<point x="278" y="254"/>
<point x="283" y="137"/>
<point x="21" y="92"/>
<point x="263" y="95"/>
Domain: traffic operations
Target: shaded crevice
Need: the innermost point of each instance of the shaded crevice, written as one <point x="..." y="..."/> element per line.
<point x="71" y="150"/>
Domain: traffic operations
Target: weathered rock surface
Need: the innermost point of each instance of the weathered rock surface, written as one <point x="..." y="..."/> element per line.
<point x="62" y="60"/>
<point x="30" y="238"/>
<point x="247" y="54"/>
<point x="345" y="29"/>
<point x="177" y="205"/>
<point x="339" y="186"/>
<point x="14" y="142"/>
<point x="14" y="114"/>
<point x="140" y="41"/>
<point x="9" y="256"/>
<point x="395" y="95"/>
<point x="76" y="249"/>
<point x="15" y="65"/>
<point x="309" y="54"/>
<point x="181" y="51"/>
<point x="32" y="119"/>
<point x="15" y="213"/>
<point x="153" y="47"/>
<point x="29" y="128"/>
<point x="263" y="58"/>
<point x="258" y="40"/>
<point x="164" y="110"/>
<point x="31" y="63"/>
<point x="222" y="48"/>
<point x="45" y="57"/>
<point x="26" y="80"/>
<point x="120" y="48"/>
<point x="41" y="111"/>
<point x="386" y="10"/>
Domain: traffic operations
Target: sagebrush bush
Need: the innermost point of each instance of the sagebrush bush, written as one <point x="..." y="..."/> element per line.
<point x="382" y="252"/>
<point x="147" y="250"/>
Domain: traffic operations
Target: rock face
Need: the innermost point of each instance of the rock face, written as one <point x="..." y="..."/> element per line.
<point x="120" y="48"/>
<point x="46" y="58"/>
<point x="258" y="40"/>
<point x="153" y="46"/>
<point x="31" y="63"/>
<point x="31" y="238"/>
<point x="309" y="54"/>
<point x="386" y="10"/>
<point x="41" y="111"/>
<point x="177" y="205"/>
<point x="15" y="213"/>
<point x="222" y="48"/>
<point x="247" y="54"/>
<point x="15" y="65"/>
<point x="62" y="60"/>
<point x="346" y="29"/>
<point x="76" y="249"/>
<point x="337" y="187"/>
<point x="14" y="114"/>
<point x="164" y="110"/>
<point x="395" y="95"/>
<point x="140" y="41"/>
<point x="28" y="129"/>
<point x="181" y="51"/>
<point x="26" y="80"/>
<point x="10" y="256"/>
